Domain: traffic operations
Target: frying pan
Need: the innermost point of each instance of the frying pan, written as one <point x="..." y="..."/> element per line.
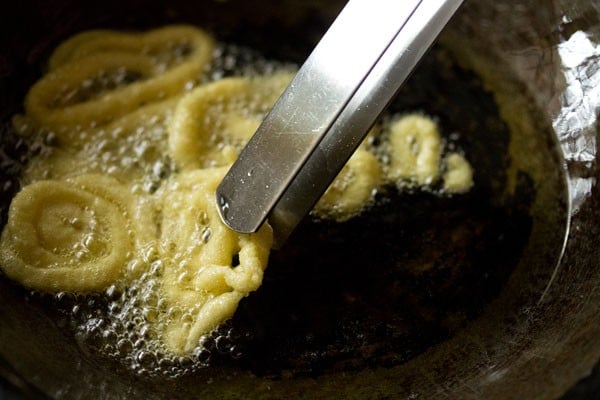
<point x="506" y="309"/>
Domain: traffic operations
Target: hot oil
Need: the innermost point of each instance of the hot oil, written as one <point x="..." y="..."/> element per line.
<point x="375" y="291"/>
<point x="417" y="267"/>
<point x="121" y="326"/>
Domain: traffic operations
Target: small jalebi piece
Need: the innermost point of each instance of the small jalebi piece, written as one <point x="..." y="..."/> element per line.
<point x="458" y="177"/>
<point x="415" y="150"/>
<point x="353" y="189"/>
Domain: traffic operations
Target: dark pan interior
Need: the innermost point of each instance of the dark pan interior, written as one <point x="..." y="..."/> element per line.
<point x="357" y="308"/>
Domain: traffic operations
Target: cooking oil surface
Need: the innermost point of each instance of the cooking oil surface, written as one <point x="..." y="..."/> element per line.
<point x="373" y="291"/>
<point x="125" y="322"/>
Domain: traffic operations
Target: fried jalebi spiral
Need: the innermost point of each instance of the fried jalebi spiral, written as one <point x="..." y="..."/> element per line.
<point x="213" y="122"/>
<point x="77" y="235"/>
<point x="352" y="189"/>
<point x="208" y="267"/>
<point x="102" y="75"/>
<point x="415" y="150"/>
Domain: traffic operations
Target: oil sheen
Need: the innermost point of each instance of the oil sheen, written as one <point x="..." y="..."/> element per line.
<point x="409" y="267"/>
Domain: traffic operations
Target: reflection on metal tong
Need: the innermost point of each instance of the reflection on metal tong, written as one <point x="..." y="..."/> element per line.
<point x="326" y="111"/>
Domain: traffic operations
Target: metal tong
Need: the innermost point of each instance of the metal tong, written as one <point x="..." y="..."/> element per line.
<point x="327" y="110"/>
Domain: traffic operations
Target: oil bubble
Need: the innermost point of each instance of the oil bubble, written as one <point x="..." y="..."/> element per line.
<point x="124" y="321"/>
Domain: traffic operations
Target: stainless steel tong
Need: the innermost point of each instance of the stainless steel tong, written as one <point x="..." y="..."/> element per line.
<point x="327" y="110"/>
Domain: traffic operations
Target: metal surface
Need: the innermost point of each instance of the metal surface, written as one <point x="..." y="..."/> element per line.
<point x="324" y="114"/>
